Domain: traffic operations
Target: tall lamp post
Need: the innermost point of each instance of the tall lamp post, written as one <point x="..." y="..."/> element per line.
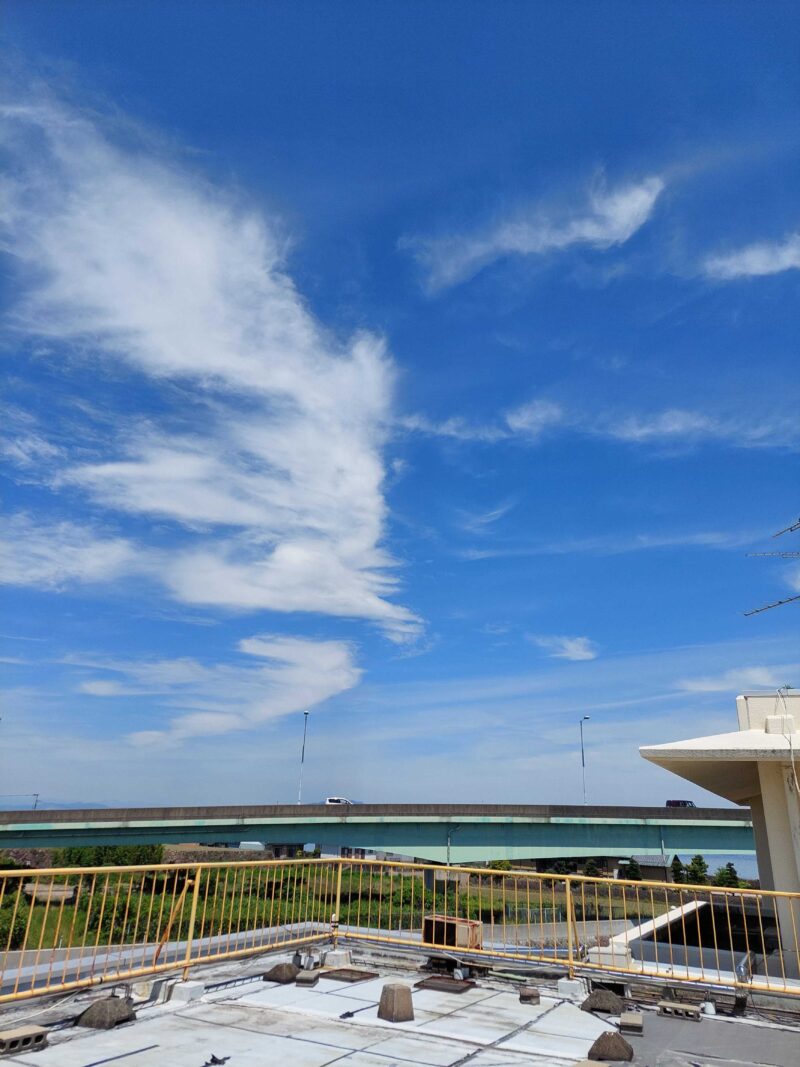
<point x="302" y="758"/>
<point x="583" y="756"/>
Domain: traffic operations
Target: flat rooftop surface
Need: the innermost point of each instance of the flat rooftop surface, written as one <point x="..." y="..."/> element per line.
<point x="255" y="1024"/>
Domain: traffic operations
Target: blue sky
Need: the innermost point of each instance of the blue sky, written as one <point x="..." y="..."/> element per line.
<point x="429" y="366"/>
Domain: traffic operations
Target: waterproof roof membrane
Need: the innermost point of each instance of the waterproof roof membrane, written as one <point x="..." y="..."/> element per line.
<point x="247" y="1022"/>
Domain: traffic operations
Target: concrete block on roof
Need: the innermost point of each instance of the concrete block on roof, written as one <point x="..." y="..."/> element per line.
<point x="22" y="1039"/>
<point x="107" y="1013"/>
<point x="396" y="1005"/>
<point x="679" y="1009"/>
<point x="337" y="957"/>
<point x="611" y="1047"/>
<point x="186" y="992"/>
<point x="572" y="988"/>
<point x="529" y="994"/>
<point x="631" y="1022"/>
<point x="156" y="990"/>
<point x="604" y="1000"/>
<point x="615" y="956"/>
<point x="282" y="973"/>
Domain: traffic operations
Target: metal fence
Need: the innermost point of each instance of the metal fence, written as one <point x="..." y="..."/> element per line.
<point x="68" y="928"/>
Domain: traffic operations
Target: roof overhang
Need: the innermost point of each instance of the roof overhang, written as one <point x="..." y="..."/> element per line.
<point x="725" y="764"/>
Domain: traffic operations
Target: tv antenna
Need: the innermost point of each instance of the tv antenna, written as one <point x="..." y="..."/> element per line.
<point x="776" y="604"/>
<point x="777" y="555"/>
<point x="788" y="529"/>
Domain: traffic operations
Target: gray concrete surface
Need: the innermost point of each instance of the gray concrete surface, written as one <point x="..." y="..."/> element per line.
<point x="256" y="1024"/>
<point x="714" y="1042"/>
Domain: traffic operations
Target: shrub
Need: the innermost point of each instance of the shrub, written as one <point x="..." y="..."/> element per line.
<point x="727" y="876"/>
<point x="12" y="927"/>
<point x="633" y="872"/>
<point x="697" y="871"/>
<point x="108" y="856"/>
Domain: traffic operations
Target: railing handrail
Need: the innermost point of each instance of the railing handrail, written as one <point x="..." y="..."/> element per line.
<point x="514" y="872"/>
<point x="123" y="921"/>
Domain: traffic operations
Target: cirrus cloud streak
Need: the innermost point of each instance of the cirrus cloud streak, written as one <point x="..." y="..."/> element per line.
<point x="609" y="217"/>
<point x="756" y="260"/>
<point x="292" y="674"/>
<point x="129" y="262"/>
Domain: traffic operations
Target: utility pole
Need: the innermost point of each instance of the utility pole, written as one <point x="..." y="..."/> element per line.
<point x="302" y="758"/>
<point x="583" y="757"/>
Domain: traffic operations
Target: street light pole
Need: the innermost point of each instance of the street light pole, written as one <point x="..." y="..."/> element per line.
<point x="302" y="758"/>
<point x="583" y="757"/>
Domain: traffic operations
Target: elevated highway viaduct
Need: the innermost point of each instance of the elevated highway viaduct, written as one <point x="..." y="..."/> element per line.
<point x="469" y="832"/>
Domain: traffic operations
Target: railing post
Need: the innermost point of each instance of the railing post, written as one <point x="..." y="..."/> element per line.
<point x="187" y="962"/>
<point x="337" y="904"/>
<point x="570" y="940"/>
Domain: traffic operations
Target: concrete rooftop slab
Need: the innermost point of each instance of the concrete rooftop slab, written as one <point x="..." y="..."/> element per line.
<point x="257" y="1023"/>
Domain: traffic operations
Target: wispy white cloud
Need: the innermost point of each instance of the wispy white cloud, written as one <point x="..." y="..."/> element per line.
<point x="455" y="428"/>
<point x="618" y="544"/>
<point x="742" y="679"/>
<point x="633" y="699"/>
<point x="608" y="217"/>
<point x="28" y="450"/>
<point x="535" y="421"/>
<point x="756" y="260"/>
<point x="137" y="263"/>
<point x="480" y="521"/>
<point x="53" y="555"/>
<point x="293" y="674"/>
<point x="682" y="426"/>
<point x="530" y="421"/>
<point x="106" y="687"/>
<point x="673" y="424"/>
<point x="563" y="647"/>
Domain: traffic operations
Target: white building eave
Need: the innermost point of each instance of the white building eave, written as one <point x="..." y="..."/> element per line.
<point x="725" y="764"/>
<point x="738" y="745"/>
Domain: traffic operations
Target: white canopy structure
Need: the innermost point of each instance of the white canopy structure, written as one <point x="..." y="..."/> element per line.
<point x="754" y="765"/>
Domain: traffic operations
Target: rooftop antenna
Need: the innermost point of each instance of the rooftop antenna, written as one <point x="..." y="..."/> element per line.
<point x="776" y="604"/>
<point x="788" y="529"/>
<point x="779" y="555"/>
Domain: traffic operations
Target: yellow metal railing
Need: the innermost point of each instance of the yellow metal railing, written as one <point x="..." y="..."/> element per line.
<point x="64" y="929"/>
<point x="69" y="928"/>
